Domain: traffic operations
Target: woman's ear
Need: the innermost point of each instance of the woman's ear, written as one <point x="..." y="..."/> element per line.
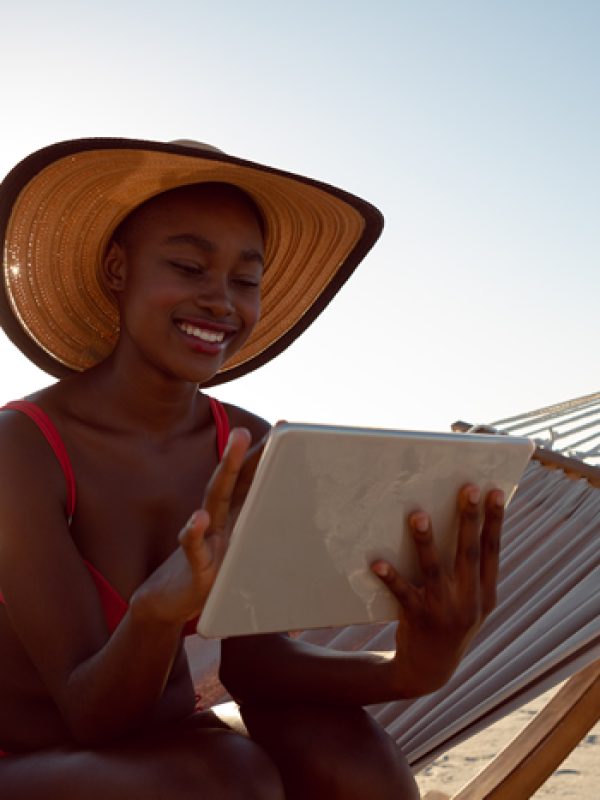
<point x="114" y="267"/>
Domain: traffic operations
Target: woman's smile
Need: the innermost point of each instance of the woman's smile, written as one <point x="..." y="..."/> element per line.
<point x="201" y="333"/>
<point x="206" y="337"/>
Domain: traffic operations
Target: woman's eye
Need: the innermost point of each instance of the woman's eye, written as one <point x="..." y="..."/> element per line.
<point x="191" y="269"/>
<point x="249" y="283"/>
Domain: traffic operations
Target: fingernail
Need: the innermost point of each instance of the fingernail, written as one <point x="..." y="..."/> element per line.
<point x="193" y="519"/>
<point x="381" y="569"/>
<point x="474" y="495"/>
<point x="499" y="499"/>
<point x="421" y="523"/>
<point x="231" y="437"/>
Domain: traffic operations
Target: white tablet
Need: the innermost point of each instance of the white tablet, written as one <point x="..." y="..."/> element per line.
<point x="328" y="501"/>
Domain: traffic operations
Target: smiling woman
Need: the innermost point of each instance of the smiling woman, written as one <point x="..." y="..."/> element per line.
<point x="140" y="273"/>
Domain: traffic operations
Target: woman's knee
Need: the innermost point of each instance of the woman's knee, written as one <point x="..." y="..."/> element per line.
<point x="357" y="757"/>
<point x="341" y="751"/>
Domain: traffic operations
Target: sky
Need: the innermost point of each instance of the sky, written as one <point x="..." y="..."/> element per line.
<point x="474" y="126"/>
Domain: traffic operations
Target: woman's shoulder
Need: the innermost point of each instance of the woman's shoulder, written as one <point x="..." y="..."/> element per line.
<point x="15" y="428"/>
<point x="242" y="418"/>
<point x="18" y="418"/>
<point x="48" y="399"/>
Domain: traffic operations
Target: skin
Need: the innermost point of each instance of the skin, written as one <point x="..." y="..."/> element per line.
<point x="112" y="716"/>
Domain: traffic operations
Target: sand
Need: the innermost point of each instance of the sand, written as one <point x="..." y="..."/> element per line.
<point x="577" y="777"/>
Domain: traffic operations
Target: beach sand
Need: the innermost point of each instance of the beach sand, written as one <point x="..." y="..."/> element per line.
<point x="577" y="777"/>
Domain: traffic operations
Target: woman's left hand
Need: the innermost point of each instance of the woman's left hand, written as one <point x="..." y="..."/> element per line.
<point x="439" y="619"/>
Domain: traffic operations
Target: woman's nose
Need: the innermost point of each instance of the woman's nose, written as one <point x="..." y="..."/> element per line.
<point x="215" y="296"/>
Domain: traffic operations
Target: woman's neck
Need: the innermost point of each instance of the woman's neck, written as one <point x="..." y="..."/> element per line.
<point x="141" y="401"/>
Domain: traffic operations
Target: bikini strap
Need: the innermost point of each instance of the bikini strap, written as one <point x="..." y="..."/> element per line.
<point x="221" y="423"/>
<point x="52" y="436"/>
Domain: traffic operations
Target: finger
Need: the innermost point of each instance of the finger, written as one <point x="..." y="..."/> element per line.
<point x="467" y="564"/>
<point x="249" y="466"/>
<point x="490" y="548"/>
<point x="219" y="492"/>
<point x="203" y="547"/>
<point x="433" y="574"/>
<point x="404" y="591"/>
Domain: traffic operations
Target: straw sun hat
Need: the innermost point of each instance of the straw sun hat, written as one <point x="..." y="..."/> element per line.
<point x="59" y="207"/>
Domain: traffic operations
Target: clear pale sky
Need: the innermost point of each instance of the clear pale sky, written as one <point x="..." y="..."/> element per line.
<point x="474" y="126"/>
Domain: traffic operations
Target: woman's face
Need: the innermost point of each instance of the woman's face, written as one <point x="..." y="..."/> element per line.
<point x="187" y="268"/>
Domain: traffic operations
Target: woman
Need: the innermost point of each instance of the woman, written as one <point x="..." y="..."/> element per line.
<point x="135" y="272"/>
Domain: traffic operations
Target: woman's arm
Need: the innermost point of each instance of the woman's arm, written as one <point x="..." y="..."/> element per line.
<point x="437" y="623"/>
<point x="103" y="684"/>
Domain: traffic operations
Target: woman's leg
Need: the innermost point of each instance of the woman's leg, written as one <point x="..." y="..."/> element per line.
<point x="332" y="752"/>
<point x="194" y="762"/>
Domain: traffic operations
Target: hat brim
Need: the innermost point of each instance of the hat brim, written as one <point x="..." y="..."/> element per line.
<point x="60" y="206"/>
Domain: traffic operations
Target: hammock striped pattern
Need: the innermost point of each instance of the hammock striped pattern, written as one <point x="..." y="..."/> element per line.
<point x="571" y="428"/>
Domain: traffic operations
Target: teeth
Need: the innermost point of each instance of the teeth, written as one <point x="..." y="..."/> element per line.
<point x="201" y="333"/>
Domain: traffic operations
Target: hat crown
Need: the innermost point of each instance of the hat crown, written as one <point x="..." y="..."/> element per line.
<point x="198" y="145"/>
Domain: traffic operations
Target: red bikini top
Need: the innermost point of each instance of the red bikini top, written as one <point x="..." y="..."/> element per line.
<point x="113" y="604"/>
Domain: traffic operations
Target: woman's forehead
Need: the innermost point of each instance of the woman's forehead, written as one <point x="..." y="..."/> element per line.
<point x="193" y="198"/>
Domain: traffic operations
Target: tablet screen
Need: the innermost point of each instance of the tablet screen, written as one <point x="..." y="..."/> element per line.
<point x="328" y="501"/>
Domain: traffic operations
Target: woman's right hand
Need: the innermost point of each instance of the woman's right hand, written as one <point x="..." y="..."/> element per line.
<point x="177" y="590"/>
